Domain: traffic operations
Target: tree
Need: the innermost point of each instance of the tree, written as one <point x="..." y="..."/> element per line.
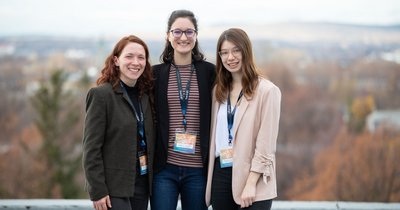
<point x="310" y="119"/>
<point x="361" y="107"/>
<point x="56" y="116"/>
<point x="357" y="167"/>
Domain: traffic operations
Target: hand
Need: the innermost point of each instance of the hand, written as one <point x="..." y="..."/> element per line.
<point x="103" y="203"/>
<point x="248" y="195"/>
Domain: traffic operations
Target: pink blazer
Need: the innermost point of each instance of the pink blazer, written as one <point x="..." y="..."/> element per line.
<point x="255" y="133"/>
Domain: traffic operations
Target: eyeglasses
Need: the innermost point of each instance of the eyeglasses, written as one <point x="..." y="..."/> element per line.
<point x="190" y="33"/>
<point x="224" y="54"/>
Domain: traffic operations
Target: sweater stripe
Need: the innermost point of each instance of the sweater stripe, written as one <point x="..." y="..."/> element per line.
<point x="176" y="116"/>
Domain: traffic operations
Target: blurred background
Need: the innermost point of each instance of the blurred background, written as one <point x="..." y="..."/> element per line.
<point x="337" y="64"/>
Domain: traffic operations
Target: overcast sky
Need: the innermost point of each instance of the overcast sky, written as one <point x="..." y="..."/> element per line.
<point x="120" y="17"/>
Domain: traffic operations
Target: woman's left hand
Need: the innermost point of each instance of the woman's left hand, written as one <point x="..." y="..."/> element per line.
<point x="248" y="195"/>
<point x="249" y="191"/>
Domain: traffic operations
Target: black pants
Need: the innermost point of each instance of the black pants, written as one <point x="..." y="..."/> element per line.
<point x="221" y="191"/>
<point x="140" y="199"/>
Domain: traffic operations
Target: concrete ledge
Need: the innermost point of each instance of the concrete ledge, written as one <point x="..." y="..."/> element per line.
<point x="83" y="204"/>
<point x="333" y="205"/>
<point x="48" y="204"/>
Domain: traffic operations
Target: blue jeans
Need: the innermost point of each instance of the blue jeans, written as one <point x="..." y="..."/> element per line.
<point x="172" y="181"/>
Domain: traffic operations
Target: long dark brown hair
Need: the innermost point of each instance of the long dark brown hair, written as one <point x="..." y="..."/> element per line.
<point x="223" y="80"/>
<point x="167" y="55"/>
<point x="111" y="73"/>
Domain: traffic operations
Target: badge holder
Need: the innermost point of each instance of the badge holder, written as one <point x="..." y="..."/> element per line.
<point x="143" y="163"/>
<point x="185" y="141"/>
<point x="226" y="157"/>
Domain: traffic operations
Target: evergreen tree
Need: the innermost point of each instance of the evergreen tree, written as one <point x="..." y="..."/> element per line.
<point x="56" y="117"/>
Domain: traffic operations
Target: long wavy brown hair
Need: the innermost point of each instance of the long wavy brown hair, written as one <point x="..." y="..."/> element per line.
<point x="223" y="80"/>
<point x="111" y="73"/>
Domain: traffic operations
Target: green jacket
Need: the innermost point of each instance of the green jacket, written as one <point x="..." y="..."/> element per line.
<point x="110" y="142"/>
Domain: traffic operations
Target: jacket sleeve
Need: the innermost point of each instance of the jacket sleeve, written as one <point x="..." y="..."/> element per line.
<point x="93" y="140"/>
<point x="264" y="156"/>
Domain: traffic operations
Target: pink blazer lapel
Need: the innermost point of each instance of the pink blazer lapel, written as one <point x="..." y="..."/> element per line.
<point x="242" y="109"/>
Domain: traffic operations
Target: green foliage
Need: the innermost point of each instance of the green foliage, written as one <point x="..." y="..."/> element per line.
<point x="56" y="117"/>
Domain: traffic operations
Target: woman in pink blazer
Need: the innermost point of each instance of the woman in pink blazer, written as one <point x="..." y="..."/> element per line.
<point x="244" y="129"/>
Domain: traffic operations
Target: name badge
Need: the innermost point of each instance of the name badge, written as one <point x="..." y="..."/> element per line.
<point x="226" y="157"/>
<point x="143" y="163"/>
<point x="185" y="141"/>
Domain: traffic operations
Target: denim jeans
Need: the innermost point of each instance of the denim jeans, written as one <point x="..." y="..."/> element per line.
<point x="172" y="181"/>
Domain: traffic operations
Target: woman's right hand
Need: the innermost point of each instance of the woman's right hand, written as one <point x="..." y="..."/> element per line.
<point x="103" y="203"/>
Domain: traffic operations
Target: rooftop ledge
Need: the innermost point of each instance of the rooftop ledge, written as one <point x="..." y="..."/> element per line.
<point x="84" y="204"/>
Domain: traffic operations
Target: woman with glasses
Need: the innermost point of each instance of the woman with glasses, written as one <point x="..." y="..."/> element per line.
<point x="183" y="85"/>
<point x="244" y="129"/>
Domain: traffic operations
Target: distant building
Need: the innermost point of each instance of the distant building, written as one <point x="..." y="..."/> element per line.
<point x="383" y="119"/>
<point x="392" y="56"/>
<point x="6" y="49"/>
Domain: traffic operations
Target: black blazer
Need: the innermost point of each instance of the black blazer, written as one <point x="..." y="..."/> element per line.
<point x="205" y="72"/>
<point x="110" y="142"/>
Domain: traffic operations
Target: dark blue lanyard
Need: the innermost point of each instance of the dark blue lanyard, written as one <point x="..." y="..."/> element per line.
<point x="231" y="115"/>
<point x="139" y="119"/>
<point x="184" y="98"/>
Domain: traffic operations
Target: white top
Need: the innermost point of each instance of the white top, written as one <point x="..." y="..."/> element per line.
<point x="222" y="135"/>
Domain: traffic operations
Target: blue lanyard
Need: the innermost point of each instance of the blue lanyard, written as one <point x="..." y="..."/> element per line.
<point x="184" y="98"/>
<point x="231" y="115"/>
<point x="139" y="119"/>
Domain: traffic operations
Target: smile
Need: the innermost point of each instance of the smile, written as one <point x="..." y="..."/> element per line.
<point x="134" y="69"/>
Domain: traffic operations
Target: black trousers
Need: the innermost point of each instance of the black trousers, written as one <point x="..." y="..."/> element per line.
<point x="221" y="191"/>
<point x="140" y="199"/>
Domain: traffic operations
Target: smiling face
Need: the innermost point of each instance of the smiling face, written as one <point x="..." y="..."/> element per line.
<point x="131" y="62"/>
<point x="231" y="57"/>
<point x="183" y="44"/>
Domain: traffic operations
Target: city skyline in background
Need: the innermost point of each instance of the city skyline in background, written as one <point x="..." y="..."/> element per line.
<point x="93" y="18"/>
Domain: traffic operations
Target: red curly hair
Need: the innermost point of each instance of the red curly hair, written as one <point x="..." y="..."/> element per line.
<point x="111" y="73"/>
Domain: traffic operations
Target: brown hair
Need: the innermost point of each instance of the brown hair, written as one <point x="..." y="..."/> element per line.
<point x="167" y="55"/>
<point x="111" y="73"/>
<point x="223" y="78"/>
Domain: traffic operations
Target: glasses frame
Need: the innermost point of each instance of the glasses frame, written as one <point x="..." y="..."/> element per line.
<point x="183" y="32"/>
<point x="235" y="51"/>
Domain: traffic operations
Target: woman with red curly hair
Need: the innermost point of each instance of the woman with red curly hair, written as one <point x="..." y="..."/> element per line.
<point x="118" y="142"/>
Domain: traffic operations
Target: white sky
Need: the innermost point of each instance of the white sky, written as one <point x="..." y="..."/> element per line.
<point x="149" y="17"/>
